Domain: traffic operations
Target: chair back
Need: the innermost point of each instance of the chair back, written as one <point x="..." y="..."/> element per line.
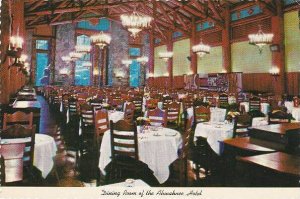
<point x="18" y="117"/>
<point x="73" y="107"/>
<point x="124" y="140"/>
<point x="173" y="111"/>
<point x="223" y="100"/>
<point x="138" y="102"/>
<point x="241" y="124"/>
<point x="13" y="160"/>
<point x="201" y="114"/>
<point x="166" y="101"/>
<point x="96" y="104"/>
<point x="86" y="115"/>
<point x="101" y="122"/>
<point x="2" y="170"/>
<point x="129" y="111"/>
<point x="187" y="102"/>
<point x="296" y="101"/>
<point x="278" y="117"/>
<point x="186" y="137"/>
<point x="19" y="131"/>
<point x="151" y="104"/>
<point x="157" y="117"/>
<point x="254" y="104"/>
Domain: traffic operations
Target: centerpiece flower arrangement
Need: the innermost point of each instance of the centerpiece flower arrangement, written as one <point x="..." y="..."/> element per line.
<point x="141" y="121"/>
<point x="231" y="115"/>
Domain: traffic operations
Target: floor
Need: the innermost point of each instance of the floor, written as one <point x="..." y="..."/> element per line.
<point x="67" y="174"/>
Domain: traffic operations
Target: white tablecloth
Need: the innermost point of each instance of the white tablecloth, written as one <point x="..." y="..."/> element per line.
<point x="215" y="133"/>
<point x="136" y="183"/>
<point x="289" y="105"/>
<point x="115" y="115"/>
<point x="296" y="113"/>
<point x="260" y="121"/>
<point x="265" y="107"/>
<point x="44" y="151"/>
<point x="158" y="152"/>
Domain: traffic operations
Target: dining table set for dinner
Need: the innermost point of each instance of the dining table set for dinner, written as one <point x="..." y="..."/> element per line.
<point x="158" y="148"/>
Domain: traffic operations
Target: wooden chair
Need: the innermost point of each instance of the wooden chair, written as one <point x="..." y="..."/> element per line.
<point x="201" y="114"/>
<point x="19" y="131"/>
<point x="73" y="107"/>
<point x="138" y="102"/>
<point x="278" y="117"/>
<point x="124" y="150"/>
<point x="223" y="100"/>
<point x="101" y="122"/>
<point x="157" y="117"/>
<point x="2" y="171"/>
<point x="296" y="101"/>
<point x="87" y="128"/>
<point x="254" y="104"/>
<point x="166" y="101"/>
<point x="151" y="104"/>
<point x="173" y="113"/>
<point x="129" y="112"/>
<point x="183" y="156"/>
<point x="187" y="102"/>
<point x="96" y="104"/>
<point x="241" y="124"/>
<point x="18" y="117"/>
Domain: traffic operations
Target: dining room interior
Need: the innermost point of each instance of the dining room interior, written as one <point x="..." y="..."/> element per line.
<point x="148" y="93"/>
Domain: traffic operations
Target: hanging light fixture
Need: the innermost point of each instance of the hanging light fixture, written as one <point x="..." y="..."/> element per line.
<point x="260" y="39"/>
<point x="75" y="56"/>
<point x="143" y="60"/>
<point x="66" y="59"/>
<point x="201" y="49"/>
<point x="102" y="39"/>
<point x="135" y="22"/>
<point x="165" y="55"/>
<point x="126" y="62"/>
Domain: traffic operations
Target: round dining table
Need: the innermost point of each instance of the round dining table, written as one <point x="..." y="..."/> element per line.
<point x="157" y="147"/>
<point x="44" y="151"/>
<point x="215" y="133"/>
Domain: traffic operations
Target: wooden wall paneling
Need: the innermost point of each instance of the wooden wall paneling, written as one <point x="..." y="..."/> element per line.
<point x="293" y="83"/>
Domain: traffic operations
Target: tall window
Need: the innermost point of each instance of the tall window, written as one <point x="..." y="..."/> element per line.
<point x="82" y="66"/>
<point x="42" y="62"/>
<point x="135" y="71"/>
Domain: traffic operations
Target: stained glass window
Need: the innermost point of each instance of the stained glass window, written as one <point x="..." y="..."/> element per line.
<point x="82" y="70"/>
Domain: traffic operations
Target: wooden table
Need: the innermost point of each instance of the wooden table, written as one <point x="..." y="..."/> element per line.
<point x="286" y="165"/>
<point x="282" y="137"/>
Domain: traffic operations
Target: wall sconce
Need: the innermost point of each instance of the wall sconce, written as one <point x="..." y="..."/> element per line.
<point x="15" y="47"/>
<point x="19" y="62"/>
<point x="275" y="72"/>
<point x="126" y="62"/>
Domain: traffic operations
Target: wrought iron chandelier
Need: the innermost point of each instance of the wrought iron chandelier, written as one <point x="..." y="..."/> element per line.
<point x="102" y="39"/>
<point x="201" y="49"/>
<point x="260" y="39"/>
<point x="136" y="22"/>
<point x="165" y="55"/>
<point x="75" y="56"/>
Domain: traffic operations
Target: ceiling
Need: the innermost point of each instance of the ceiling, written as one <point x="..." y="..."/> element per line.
<point x="168" y="15"/>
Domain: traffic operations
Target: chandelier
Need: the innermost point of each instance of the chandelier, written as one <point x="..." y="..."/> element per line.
<point x="127" y="62"/>
<point x="165" y="55"/>
<point x="201" y="49"/>
<point x="75" y="56"/>
<point x="102" y="39"/>
<point x="143" y="60"/>
<point x="66" y="59"/>
<point x="260" y="39"/>
<point x="135" y="22"/>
